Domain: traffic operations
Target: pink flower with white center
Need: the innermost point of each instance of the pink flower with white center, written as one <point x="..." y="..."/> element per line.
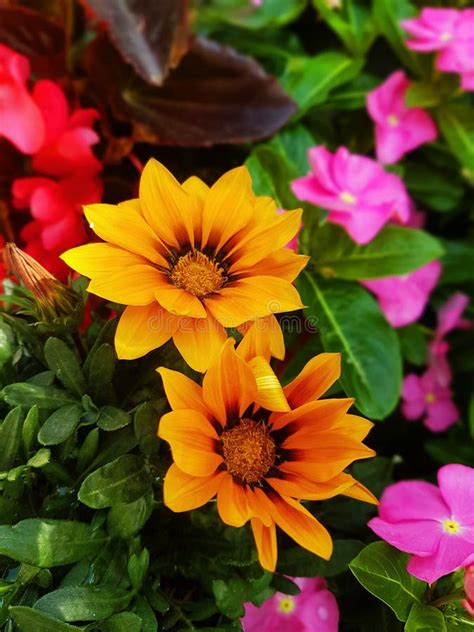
<point x="360" y="195"/>
<point x="468" y="603"/>
<point x="68" y="136"/>
<point x="432" y="30"/>
<point x="424" y="395"/>
<point x="315" y="608"/>
<point x="398" y="128"/>
<point x="449" y="318"/>
<point x="20" y="119"/>
<point x="458" y="57"/>
<point x="434" y="524"/>
<point x="403" y="298"/>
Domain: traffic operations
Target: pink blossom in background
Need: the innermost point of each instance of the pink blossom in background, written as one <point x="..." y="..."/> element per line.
<point x="449" y="31"/>
<point x="449" y="318"/>
<point x="68" y="136"/>
<point x="468" y="603"/>
<point x="360" y="195"/>
<point x="20" y="119"/>
<point x="398" y="128"/>
<point x="424" y="396"/>
<point x="403" y="298"/>
<point x="256" y="3"/>
<point x="315" y="608"/>
<point x="434" y="524"/>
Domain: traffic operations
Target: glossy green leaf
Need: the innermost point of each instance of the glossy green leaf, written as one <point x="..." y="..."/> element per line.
<point x="47" y="543"/>
<point x="242" y="13"/>
<point x="101" y="369"/>
<point x="145" y="425"/>
<point x="458" y="262"/>
<point x="350" y="322"/>
<point x="65" y="365"/>
<point x="31" y="620"/>
<point x="309" y="80"/>
<point x="122" y="622"/>
<point x="25" y="394"/>
<point x="88" y="449"/>
<point x="425" y="619"/>
<point x="457" y="126"/>
<point x="83" y="603"/>
<point x="394" y="251"/>
<point x="30" y="429"/>
<point x="433" y="187"/>
<point x="40" y="459"/>
<point x="123" y="480"/>
<point x="60" y="425"/>
<point x="126" y="520"/>
<point x="112" y="418"/>
<point x="10" y="437"/>
<point x="381" y="569"/>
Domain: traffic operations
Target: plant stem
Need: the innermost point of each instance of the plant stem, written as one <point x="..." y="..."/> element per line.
<point x="455" y="596"/>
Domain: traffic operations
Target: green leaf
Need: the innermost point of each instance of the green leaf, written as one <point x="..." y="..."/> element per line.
<point x="309" y="80"/>
<point x="123" y="480"/>
<point x="138" y="567"/>
<point x="83" y="603"/>
<point x="350" y="322"/>
<point x="88" y="449"/>
<point x="101" y="369"/>
<point x="10" y="437"/>
<point x="241" y="13"/>
<point x="25" y="394"/>
<point x="62" y="360"/>
<point x="40" y="459"/>
<point x="458" y="262"/>
<point x="111" y="418"/>
<point x="30" y="429"/>
<point x="125" y="521"/>
<point x="422" y="95"/>
<point x="425" y="619"/>
<point x="145" y="425"/>
<point x="457" y="126"/>
<point x="6" y="343"/>
<point x="60" y="425"/>
<point x="433" y="187"/>
<point x="413" y="344"/>
<point x="122" y="622"/>
<point x="388" y="14"/>
<point x="381" y="569"/>
<point x="47" y="543"/>
<point x="230" y="595"/>
<point x="29" y="620"/>
<point x="146" y="614"/>
<point x="394" y="251"/>
<point x="352" y="22"/>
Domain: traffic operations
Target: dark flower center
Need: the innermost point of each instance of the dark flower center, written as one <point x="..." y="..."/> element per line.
<point x="248" y="450"/>
<point x="196" y="273"/>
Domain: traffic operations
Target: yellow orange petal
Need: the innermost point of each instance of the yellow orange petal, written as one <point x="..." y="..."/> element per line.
<point x="266" y="543"/>
<point x="228" y="208"/>
<point x="262" y="337"/>
<point x="232" y="503"/>
<point x="199" y="340"/>
<point x="320" y="415"/>
<point x="299" y="524"/>
<point x="182" y="392"/>
<point x="177" y="301"/>
<point x="251" y="298"/>
<point x="229" y="385"/>
<point x="124" y="226"/>
<point x="167" y="208"/>
<point x="317" y="376"/>
<point x="142" y="329"/>
<point x="269" y="390"/>
<point x="100" y="259"/>
<point x="183" y="492"/>
<point x="302" y="488"/>
<point x="356" y="427"/>
<point x="134" y="285"/>
<point x="265" y="239"/>
<point x="360" y="492"/>
<point x="192" y="439"/>
<point x="199" y="190"/>
<point x="283" y="263"/>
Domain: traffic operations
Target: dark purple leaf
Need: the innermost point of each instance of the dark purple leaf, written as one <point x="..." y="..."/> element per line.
<point x="214" y="96"/>
<point x="33" y="35"/>
<point x="150" y="35"/>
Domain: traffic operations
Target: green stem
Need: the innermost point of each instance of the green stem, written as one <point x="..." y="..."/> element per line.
<point x="455" y="596"/>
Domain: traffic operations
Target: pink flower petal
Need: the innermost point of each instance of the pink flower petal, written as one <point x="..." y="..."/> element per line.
<point x="441" y="416"/>
<point x="453" y="553"/>
<point x="320" y="613"/>
<point x="412" y="500"/>
<point x="421" y="537"/>
<point x="456" y="484"/>
<point x="450" y="313"/>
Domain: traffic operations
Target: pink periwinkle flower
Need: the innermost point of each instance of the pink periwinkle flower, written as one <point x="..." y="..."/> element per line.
<point x="434" y="524"/>
<point x="68" y="136"/>
<point x="403" y="298"/>
<point x="449" y="31"/>
<point x="468" y="603"/>
<point x="449" y="318"/>
<point x="398" y="128"/>
<point x="315" y="608"/>
<point x="20" y="119"/>
<point x="360" y="195"/>
<point x="425" y="396"/>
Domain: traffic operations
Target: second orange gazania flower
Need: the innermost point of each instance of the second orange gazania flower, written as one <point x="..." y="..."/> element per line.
<point x="188" y="261"/>
<point x="261" y="448"/>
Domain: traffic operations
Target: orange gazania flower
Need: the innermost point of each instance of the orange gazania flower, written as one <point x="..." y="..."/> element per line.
<point x="260" y="448"/>
<point x="189" y="260"/>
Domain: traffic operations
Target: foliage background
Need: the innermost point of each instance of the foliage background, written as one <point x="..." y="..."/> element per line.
<point x="85" y="541"/>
